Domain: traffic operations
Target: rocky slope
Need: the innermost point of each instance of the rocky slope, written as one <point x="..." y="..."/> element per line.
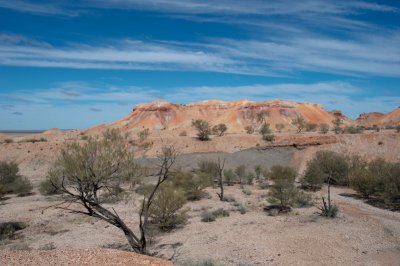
<point x="236" y="115"/>
<point x="375" y="118"/>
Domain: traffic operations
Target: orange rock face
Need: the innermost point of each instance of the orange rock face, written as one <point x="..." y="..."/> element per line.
<point x="236" y="115"/>
<point x="392" y="118"/>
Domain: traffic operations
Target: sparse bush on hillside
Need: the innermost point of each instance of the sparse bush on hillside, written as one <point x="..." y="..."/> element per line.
<point x="203" y="129"/>
<point x="398" y="128"/>
<point x="49" y="186"/>
<point x="11" y="181"/>
<point x="266" y="132"/>
<point x="324" y="128"/>
<point x="311" y="127"/>
<point x="219" y="129"/>
<point x="299" y="123"/>
<point x="337" y="122"/>
<point x="143" y="134"/>
<point x="207" y="217"/>
<point x="183" y="133"/>
<point x="249" y="129"/>
<point x="8" y="140"/>
<point x="34" y="140"/>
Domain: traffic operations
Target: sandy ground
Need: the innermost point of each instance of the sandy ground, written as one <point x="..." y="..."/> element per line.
<point x="361" y="235"/>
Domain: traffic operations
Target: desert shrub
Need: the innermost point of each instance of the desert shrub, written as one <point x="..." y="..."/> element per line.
<point x="143" y="134"/>
<point x="353" y="130"/>
<point x="11" y="181"/>
<point x="183" y="133"/>
<point x="398" y="128"/>
<point x="249" y="177"/>
<point x="302" y="199"/>
<point x="242" y="209"/>
<point x="311" y="127"/>
<point x="376" y="128"/>
<point x="229" y="198"/>
<point x="84" y="137"/>
<point x="246" y="191"/>
<point x="191" y="184"/>
<point x="299" y="123"/>
<point x="207" y="217"/>
<point x="283" y="190"/>
<point x="203" y="129"/>
<point x="49" y="186"/>
<point x="240" y="172"/>
<point x="34" y="140"/>
<point x="209" y="168"/>
<point x="330" y="211"/>
<point x="166" y="211"/>
<point x="8" y="140"/>
<point x="229" y="176"/>
<point x="249" y="129"/>
<point x="324" y="128"/>
<point x="8" y="229"/>
<point x="338" y="130"/>
<point x="266" y="132"/>
<point x="364" y="181"/>
<point x="220" y="212"/>
<point x="258" y="170"/>
<point x="219" y="129"/>
<point x="326" y="164"/>
<point x="391" y="184"/>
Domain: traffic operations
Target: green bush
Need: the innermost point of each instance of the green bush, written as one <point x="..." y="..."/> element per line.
<point x="353" y="130"/>
<point x="220" y="212"/>
<point x="8" y="229"/>
<point x="203" y="129"/>
<point x="166" y="211"/>
<point x="283" y="189"/>
<point x="242" y="209"/>
<point x="229" y="198"/>
<point x="191" y="184"/>
<point x="240" y="172"/>
<point x="326" y="165"/>
<point x="302" y="199"/>
<point x="8" y="140"/>
<point x="324" y="128"/>
<point x="207" y="217"/>
<point x="229" y="176"/>
<point x="11" y="181"/>
<point x="49" y="186"/>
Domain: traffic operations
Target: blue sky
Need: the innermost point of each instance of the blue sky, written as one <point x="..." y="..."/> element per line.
<point x="75" y="64"/>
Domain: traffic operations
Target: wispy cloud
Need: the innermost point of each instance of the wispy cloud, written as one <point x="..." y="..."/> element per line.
<point x="277" y="56"/>
<point x="17" y="113"/>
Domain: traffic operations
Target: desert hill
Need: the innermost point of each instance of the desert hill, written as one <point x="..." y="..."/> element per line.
<point x="369" y="119"/>
<point x="236" y="115"/>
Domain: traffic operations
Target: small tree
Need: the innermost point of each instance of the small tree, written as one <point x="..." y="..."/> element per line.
<point x="86" y="174"/>
<point x="334" y="170"/>
<point x="249" y="129"/>
<point x="299" y="123"/>
<point x="191" y="184"/>
<point x="324" y="128"/>
<point x="266" y="133"/>
<point x="337" y="122"/>
<point x="220" y="129"/>
<point x="262" y="116"/>
<point x="221" y="166"/>
<point x="283" y="188"/>
<point x="280" y="127"/>
<point x="203" y="129"/>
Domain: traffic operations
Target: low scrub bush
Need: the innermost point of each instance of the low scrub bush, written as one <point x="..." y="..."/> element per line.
<point x="11" y="181"/>
<point x="220" y="212"/>
<point x="166" y="211"/>
<point x="192" y="184"/>
<point x="207" y="217"/>
<point x="311" y="127"/>
<point x="8" y="229"/>
<point x="324" y="128"/>
<point x="249" y="129"/>
<point x="353" y="130"/>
